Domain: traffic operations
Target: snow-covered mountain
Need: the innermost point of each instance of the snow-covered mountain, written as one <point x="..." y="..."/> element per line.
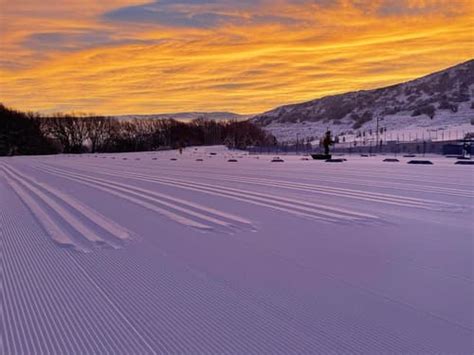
<point x="188" y="116"/>
<point x="442" y="99"/>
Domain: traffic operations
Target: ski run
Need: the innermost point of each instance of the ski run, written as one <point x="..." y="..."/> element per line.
<point x="162" y="253"/>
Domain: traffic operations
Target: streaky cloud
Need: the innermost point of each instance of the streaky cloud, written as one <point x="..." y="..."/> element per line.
<point x="176" y="14"/>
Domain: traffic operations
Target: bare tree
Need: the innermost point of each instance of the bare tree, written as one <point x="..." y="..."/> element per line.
<point x="70" y="131"/>
<point x="100" y="131"/>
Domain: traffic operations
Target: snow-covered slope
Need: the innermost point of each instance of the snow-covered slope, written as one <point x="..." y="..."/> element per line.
<point x="188" y="116"/>
<point x="440" y="99"/>
<point x="162" y="253"/>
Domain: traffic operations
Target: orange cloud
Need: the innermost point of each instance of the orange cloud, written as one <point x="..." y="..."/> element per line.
<point x="101" y="58"/>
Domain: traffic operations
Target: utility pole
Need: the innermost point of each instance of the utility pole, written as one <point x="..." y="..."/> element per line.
<point x="377" y="135"/>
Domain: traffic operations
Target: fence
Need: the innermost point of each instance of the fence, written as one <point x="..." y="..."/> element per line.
<point x="391" y="147"/>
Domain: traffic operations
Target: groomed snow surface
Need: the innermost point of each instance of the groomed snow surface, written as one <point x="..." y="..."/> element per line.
<point x="141" y="254"/>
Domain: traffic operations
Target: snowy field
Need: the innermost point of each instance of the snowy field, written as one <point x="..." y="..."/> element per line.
<point x="401" y="127"/>
<point x="140" y="254"/>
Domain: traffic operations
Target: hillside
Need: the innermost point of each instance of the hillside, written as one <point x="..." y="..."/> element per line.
<point x="442" y="98"/>
<point x="188" y="116"/>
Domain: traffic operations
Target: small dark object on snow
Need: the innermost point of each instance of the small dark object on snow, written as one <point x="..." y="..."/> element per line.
<point x="420" y="162"/>
<point x="409" y="156"/>
<point x="212" y="153"/>
<point x="364" y="155"/>
<point x="173" y="159"/>
<point x="336" y="160"/>
<point x="124" y="158"/>
<point x="154" y="158"/>
<point x="113" y="157"/>
<point x="277" y="160"/>
<point x="304" y="158"/>
<point x="232" y="161"/>
<point x="199" y="159"/>
<point x="464" y="162"/>
<point x="321" y="156"/>
<point x="391" y="160"/>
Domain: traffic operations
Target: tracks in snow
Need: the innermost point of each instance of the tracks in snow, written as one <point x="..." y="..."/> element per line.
<point x="291" y="206"/>
<point x="374" y="181"/>
<point x="49" y="305"/>
<point x="367" y="178"/>
<point x="69" y="222"/>
<point x="181" y="211"/>
<point x="377" y="197"/>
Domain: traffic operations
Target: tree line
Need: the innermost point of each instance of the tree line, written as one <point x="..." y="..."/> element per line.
<point x="31" y="133"/>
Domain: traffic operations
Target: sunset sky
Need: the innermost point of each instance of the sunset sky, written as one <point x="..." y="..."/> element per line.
<point x="246" y="56"/>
